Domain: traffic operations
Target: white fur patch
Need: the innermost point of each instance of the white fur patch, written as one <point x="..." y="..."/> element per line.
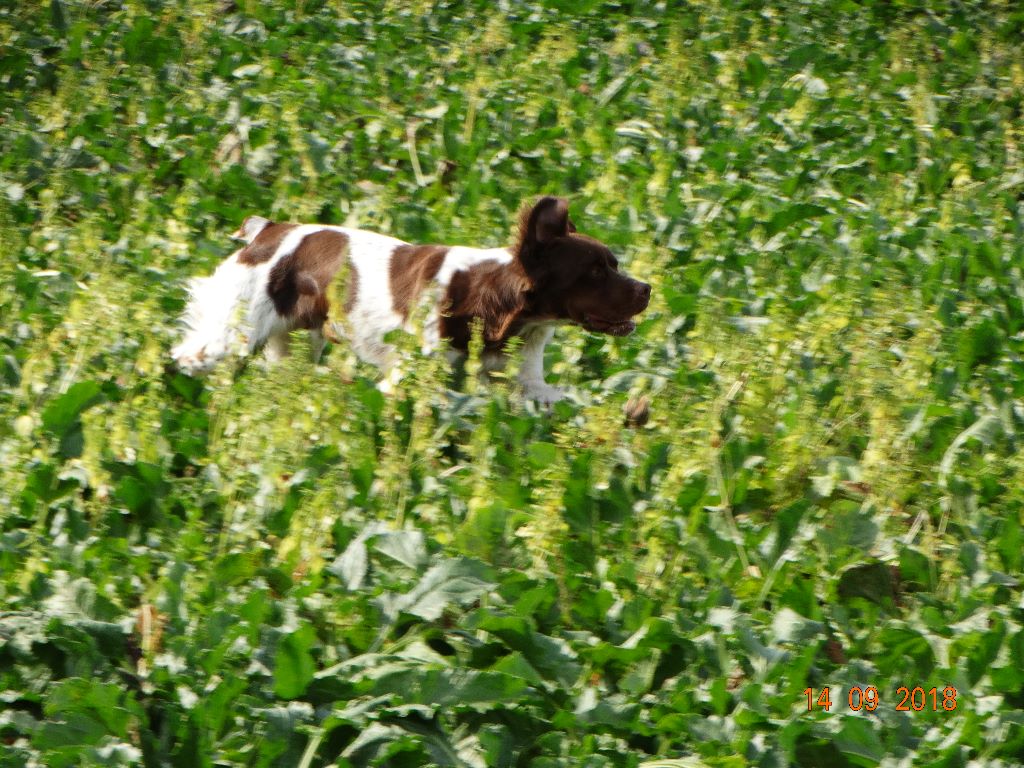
<point x="250" y="228"/>
<point x="210" y="327"/>
<point x="372" y="314"/>
<point x="460" y="258"/>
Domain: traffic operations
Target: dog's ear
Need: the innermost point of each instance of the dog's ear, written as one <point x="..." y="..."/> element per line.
<point x="540" y="224"/>
<point x="547" y="220"/>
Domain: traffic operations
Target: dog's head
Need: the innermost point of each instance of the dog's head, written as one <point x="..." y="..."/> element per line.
<point x="575" y="277"/>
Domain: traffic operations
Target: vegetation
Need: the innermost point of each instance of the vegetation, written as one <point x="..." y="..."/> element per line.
<point x="285" y="567"/>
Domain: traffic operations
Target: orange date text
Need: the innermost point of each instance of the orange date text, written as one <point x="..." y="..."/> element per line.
<point x="916" y="699"/>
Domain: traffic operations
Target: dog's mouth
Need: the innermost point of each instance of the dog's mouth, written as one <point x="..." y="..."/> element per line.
<point x="613" y="327"/>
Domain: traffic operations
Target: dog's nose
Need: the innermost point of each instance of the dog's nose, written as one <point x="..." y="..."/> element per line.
<point x="643" y="291"/>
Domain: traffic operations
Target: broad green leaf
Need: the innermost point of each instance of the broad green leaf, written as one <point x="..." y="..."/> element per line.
<point x="858" y="738"/>
<point x="407" y="547"/>
<point x="871" y="581"/>
<point x="450" y="582"/>
<point x="294" y="666"/>
<point x="793" y="214"/>
<point x="62" y="413"/>
<point x="352" y="566"/>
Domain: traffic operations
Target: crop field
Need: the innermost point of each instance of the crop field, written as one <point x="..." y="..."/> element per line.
<point x="282" y="566"/>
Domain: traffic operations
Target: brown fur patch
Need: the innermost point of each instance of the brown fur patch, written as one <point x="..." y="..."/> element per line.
<point x="495" y="293"/>
<point x="412" y="268"/>
<point x="298" y="282"/>
<point x="265" y="244"/>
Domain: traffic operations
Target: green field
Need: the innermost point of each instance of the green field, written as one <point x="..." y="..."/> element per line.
<point x="284" y="567"/>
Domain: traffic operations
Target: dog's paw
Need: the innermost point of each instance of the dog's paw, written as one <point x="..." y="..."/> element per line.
<point x="543" y="394"/>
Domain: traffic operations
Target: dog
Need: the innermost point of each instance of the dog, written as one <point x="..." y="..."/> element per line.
<point x="338" y="281"/>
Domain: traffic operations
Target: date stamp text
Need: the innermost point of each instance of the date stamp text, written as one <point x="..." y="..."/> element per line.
<point x="917" y="699"/>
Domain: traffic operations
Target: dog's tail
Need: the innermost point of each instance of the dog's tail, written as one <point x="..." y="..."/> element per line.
<point x="211" y="327"/>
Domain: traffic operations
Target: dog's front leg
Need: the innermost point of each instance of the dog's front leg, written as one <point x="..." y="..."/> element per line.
<point x="317" y="342"/>
<point x="277" y="347"/>
<point x="531" y="371"/>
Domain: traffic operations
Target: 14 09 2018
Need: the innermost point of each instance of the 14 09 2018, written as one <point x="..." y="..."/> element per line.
<point x="916" y="699"/>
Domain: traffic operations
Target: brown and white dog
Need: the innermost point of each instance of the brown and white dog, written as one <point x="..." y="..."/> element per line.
<point x="283" y="278"/>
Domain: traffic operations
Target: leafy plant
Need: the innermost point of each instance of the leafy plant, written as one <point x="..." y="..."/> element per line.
<point x="285" y="567"/>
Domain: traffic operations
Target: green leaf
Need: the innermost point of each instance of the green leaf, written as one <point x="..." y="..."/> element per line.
<point x="849" y="525"/>
<point x="352" y="565"/>
<point x="793" y="214"/>
<point x="454" y="581"/>
<point x="900" y="645"/>
<point x="61" y="414"/>
<point x="858" y="738"/>
<point x="480" y="690"/>
<point x="83" y="712"/>
<point x="871" y="581"/>
<point x="377" y="742"/>
<point x="755" y="70"/>
<point x="977" y="345"/>
<point x="551" y="657"/>
<point x="613" y="710"/>
<point x="917" y="570"/>
<point x="57" y="16"/>
<point x="542" y="455"/>
<point x="407" y="547"/>
<point x="294" y="666"/>
<point x="983" y="430"/>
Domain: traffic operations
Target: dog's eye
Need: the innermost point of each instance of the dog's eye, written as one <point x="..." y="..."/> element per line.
<point x="597" y="272"/>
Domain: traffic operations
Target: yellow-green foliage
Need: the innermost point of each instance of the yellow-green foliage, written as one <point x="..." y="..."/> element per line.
<point x="284" y="566"/>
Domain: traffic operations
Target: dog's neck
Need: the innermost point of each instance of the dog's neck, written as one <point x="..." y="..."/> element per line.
<point x="498" y="295"/>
